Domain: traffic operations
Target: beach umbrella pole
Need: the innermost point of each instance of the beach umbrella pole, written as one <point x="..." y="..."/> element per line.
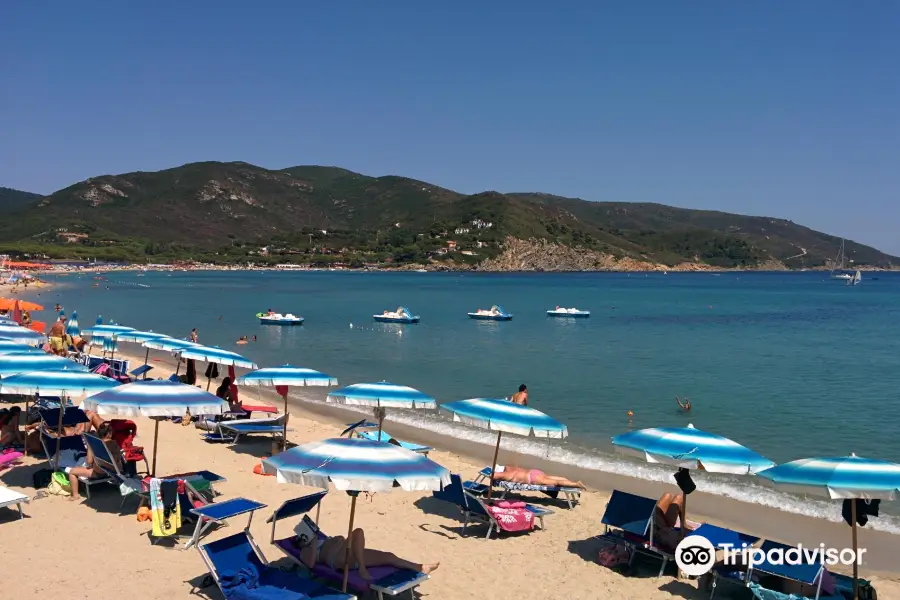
<point x="855" y="562"/>
<point x="284" y="440"/>
<point x="353" y="494"/>
<point x="155" y="447"/>
<point x="146" y="358"/>
<point x="59" y="427"/>
<point x="494" y="464"/>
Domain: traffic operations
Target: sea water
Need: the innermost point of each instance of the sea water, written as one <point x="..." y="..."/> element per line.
<point x="791" y="365"/>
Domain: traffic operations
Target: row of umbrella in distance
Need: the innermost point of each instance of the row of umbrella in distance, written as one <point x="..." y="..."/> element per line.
<point x="360" y="465"/>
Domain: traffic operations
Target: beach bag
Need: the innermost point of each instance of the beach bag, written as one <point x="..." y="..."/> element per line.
<point x="59" y="485"/>
<point x="41" y="478"/>
<point x="306" y="531"/>
<point x="614" y="556"/>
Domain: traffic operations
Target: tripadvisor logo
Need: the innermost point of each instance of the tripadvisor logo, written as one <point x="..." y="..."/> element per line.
<point x="695" y="555"/>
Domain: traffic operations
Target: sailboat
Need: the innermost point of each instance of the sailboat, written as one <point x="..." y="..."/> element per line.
<point x="839" y="273"/>
<point x="855" y="279"/>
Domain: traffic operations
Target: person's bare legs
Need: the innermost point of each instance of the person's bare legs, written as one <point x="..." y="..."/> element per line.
<point x="558" y="481"/>
<point x="74" y="474"/>
<point x="364" y="557"/>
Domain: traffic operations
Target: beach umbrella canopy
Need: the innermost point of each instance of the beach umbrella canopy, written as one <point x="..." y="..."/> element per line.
<point x="20" y="334"/>
<point x="59" y="382"/>
<point x="25" y="362"/>
<point x="214" y="354"/>
<point x="167" y="344"/>
<point x="139" y="337"/>
<point x="505" y="416"/>
<point x="10" y="303"/>
<point x="691" y="448"/>
<point x="72" y="325"/>
<point x="356" y="465"/>
<point x="106" y="331"/>
<point x="284" y="377"/>
<point x="839" y="478"/>
<point x="7" y="322"/>
<point x="7" y="346"/>
<point x="381" y="394"/>
<point x="154" y="398"/>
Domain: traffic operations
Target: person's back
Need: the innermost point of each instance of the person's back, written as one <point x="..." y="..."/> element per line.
<point x="521" y="397"/>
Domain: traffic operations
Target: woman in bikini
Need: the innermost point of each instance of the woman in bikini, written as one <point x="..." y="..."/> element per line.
<point x="534" y="477"/>
<point x="668" y="511"/>
<point x="333" y="552"/>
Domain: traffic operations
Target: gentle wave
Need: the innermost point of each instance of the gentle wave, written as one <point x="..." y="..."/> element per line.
<point x="721" y="485"/>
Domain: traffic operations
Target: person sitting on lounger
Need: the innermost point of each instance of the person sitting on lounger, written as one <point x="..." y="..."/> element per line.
<point x="668" y="512"/>
<point x="332" y="551"/>
<point x="534" y="477"/>
<point x="88" y="468"/>
<point x="9" y="428"/>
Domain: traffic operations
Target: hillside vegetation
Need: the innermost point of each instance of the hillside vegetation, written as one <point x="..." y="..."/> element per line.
<point x="231" y="212"/>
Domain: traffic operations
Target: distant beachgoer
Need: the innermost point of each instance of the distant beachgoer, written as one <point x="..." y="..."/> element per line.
<point x="242" y="339"/>
<point x="686" y="405"/>
<point x="254" y="338"/>
<point x="521" y="397"/>
<point x="26" y="318"/>
<point x="194" y="337"/>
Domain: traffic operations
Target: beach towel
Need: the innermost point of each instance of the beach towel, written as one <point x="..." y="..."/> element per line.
<point x="212" y="371"/>
<point x="165" y="506"/>
<point x="246" y="584"/>
<point x="9" y="458"/>
<point x="512" y="517"/>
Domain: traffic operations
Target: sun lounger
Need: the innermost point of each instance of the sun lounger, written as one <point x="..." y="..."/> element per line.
<point x="231" y="431"/>
<point x="475" y="510"/>
<point x="571" y="495"/>
<point x="629" y="520"/>
<point x="809" y="574"/>
<point x="387" y="581"/>
<point x="9" y="497"/>
<point x="721" y="537"/>
<point x="236" y="564"/>
<point x="215" y="514"/>
<point x="369" y="431"/>
<point x="70" y="446"/>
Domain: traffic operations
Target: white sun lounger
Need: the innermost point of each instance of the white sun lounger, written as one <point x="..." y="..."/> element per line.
<point x="571" y="495"/>
<point x="9" y="497"/>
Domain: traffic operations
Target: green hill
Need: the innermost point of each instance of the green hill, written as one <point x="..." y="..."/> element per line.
<point x="225" y="211"/>
<point x="10" y="198"/>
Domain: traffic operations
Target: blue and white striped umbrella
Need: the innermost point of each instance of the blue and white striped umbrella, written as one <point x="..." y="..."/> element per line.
<point x="110" y="344"/>
<point x="382" y="394"/>
<point x="168" y="344"/>
<point x="56" y="383"/>
<point x="286" y="375"/>
<point x="4" y="321"/>
<point x="356" y="464"/>
<point x="20" y="334"/>
<point x="106" y="331"/>
<point x="155" y="398"/>
<point x="139" y="337"/>
<point x="691" y="448"/>
<point x="837" y="478"/>
<point x="25" y="362"/>
<point x="214" y="354"/>
<point x="505" y="416"/>
<point x="72" y="325"/>
<point x="9" y="346"/>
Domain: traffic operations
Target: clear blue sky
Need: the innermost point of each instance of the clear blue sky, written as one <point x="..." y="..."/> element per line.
<point x="789" y="109"/>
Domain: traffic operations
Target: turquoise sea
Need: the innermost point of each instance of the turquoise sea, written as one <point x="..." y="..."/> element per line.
<point x="789" y="364"/>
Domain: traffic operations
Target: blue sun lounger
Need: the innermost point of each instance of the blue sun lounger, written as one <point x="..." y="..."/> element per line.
<point x="231" y="431"/>
<point x="365" y="431"/>
<point x="721" y="537"/>
<point x="808" y="573"/>
<point x="474" y="509"/>
<point x="71" y="447"/>
<point x="571" y="495"/>
<point x="387" y="581"/>
<point x="237" y="565"/>
<point x="629" y="521"/>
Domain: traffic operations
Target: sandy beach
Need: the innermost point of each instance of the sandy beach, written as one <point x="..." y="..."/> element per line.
<point x="93" y="551"/>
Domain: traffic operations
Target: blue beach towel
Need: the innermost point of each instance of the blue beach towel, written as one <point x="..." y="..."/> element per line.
<point x="245" y="584"/>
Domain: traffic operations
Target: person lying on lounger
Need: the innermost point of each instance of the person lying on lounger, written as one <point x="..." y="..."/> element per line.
<point x="534" y="477"/>
<point x="333" y="552"/>
<point x="668" y="511"/>
<point x="88" y="468"/>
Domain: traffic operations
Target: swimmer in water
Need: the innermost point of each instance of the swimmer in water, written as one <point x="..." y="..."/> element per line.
<point x="686" y="405"/>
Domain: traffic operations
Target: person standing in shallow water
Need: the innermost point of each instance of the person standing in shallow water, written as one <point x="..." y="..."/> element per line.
<point x="194" y="337"/>
<point x="521" y="397"/>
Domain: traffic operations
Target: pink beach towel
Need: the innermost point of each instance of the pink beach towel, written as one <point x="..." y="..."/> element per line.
<point x="9" y="458"/>
<point x="512" y="519"/>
